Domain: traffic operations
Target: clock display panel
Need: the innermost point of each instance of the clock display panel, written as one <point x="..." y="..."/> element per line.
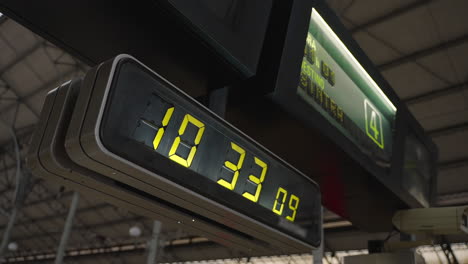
<point x="149" y="122"/>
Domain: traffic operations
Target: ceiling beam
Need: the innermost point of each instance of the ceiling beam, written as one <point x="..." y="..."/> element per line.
<point x="19" y="99"/>
<point x="189" y="249"/>
<point x="21" y="57"/>
<point x="424" y="97"/>
<point x="61" y="215"/>
<point x="81" y="254"/>
<point x="460" y="127"/>
<point x="47" y="199"/>
<point x="453" y="164"/>
<point x="22" y="134"/>
<point x="47" y="85"/>
<point x="391" y="15"/>
<point x="129" y="220"/>
<point x="105" y="224"/>
<point x="452" y="199"/>
<point x="423" y="53"/>
<point x="3" y="18"/>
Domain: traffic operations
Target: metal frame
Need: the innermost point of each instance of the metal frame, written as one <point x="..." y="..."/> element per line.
<point x="122" y="168"/>
<point x="154" y="243"/>
<point x="448" y="252"/>
<point x="391" y="15"/>
<point x="448" y="90"/>
<point x="103" y="189"/>
<point x="423" y="53"/>
<point x="67" y="228"/>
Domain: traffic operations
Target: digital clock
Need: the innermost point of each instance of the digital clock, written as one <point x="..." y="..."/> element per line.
<point x="131" y="125"/>
<point x="47" y="158"/>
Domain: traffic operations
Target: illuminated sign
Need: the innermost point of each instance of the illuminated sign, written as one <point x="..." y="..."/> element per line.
<point x="341" y="123"/>
<point x="136" y="128"/>
<point x="48" y="159"/>
<point x="334" y="83"/>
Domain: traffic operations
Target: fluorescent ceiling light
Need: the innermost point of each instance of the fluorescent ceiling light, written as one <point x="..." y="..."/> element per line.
<point x="319" y="20"/>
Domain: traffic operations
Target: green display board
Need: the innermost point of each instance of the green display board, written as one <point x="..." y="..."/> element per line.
<point x="335" y="84"/>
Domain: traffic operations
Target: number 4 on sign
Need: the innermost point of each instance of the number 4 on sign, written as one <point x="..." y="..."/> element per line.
<point x="373" y="124"/>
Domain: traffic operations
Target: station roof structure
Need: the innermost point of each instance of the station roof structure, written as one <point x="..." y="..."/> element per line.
<point x="419" y="46"/>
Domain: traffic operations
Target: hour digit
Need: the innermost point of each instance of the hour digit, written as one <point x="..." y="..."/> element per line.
<point x="293" y="205"/>
<point x="281" y="201"/>
<point x="186" y="162"/>
<point x="257" y="180"/>
<point x="160" y="133"/>
<point x="233" y="167"/>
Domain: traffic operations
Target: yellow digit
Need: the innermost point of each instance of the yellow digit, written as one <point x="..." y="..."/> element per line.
<point x="285" y="193"/>
<point x="257" y="180"/>
<point x="160" y="133"/>
<point x="293" y="205"/>
<point x="172" y="152"/>
<point x="373" y="125"/>
<point x="235" y="168"/>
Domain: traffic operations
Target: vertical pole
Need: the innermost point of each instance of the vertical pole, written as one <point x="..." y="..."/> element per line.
<point x="448" y="252"/>
<point x="67" y="228"/>
<point x="153" y="245"/>
<point x="7" y="232"/>
<point x="20" y="185"/>
<point x="317" y="254"/>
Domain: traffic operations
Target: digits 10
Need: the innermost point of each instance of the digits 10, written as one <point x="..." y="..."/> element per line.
<point x="233" y="167"/>
<point x="186" y="162"/>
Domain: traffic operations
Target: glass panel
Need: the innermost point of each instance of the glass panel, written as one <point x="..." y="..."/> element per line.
<point x="335" y="84"/>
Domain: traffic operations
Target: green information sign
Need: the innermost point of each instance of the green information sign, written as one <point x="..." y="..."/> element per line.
<point x="335" y="84"/>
